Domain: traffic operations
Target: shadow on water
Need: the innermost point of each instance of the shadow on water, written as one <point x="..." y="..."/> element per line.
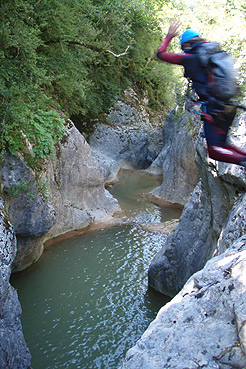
<point x="88" y="301"/>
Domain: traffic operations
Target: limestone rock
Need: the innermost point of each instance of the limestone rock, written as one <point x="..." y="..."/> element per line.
<point x="235" y="226"/>
<point x="176" y="160"/>
<point x="207" y="217"/>
<point x="204" y="325"/>
<point x="28" y="210"/>
<point x="126" y="145"/>
<point x="30" y="213"/>
<point x="76" y="186"/>
<point x="67" y="196"/>
<point x="127" y="140"/>
<point x="14" y="353"/>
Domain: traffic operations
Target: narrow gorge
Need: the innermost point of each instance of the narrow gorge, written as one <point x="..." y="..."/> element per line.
<point x="201" y="266"/>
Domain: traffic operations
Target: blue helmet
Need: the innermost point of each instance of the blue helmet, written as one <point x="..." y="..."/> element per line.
<point x="188" y="35"/>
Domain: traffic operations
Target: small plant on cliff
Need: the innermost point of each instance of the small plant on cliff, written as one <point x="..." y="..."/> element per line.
<point x="20" y="188"/>
<point x="43" y="188"/>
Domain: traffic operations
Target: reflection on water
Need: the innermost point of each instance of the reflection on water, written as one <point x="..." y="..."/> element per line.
<point x="87" y="303"/>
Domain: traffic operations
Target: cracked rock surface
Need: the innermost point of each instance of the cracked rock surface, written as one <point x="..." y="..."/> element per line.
<point x="204" y="326"/>
<point x="14" y="353"/>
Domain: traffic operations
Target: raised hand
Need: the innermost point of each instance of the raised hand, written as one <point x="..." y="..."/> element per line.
<point x="174" y="28"/>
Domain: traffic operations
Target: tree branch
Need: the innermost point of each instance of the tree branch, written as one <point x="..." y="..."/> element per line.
<point x="91" y="47"/>
<point x="123" y="53"/>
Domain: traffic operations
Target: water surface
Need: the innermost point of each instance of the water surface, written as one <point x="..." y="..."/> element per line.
<point x="87" y="302"/>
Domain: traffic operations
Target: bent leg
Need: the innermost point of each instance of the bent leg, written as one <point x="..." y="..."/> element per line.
<point x="219" y="149"/>
<point x="226" y="155"/>
<point x="235" y="149"/>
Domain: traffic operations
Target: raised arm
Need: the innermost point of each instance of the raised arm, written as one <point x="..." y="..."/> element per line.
<point x="170" y="57"/>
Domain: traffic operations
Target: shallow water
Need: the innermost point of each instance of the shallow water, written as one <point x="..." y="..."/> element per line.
<point x="131" y="192"/>
<point x="87" y="303"/>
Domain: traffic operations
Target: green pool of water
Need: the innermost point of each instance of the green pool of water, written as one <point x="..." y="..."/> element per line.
<point x="87" y="302"/>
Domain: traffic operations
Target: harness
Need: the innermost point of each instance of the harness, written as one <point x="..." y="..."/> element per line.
<point x="198" y="106"/>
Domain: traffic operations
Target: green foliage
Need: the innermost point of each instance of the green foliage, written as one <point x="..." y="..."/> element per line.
<point x="78" y="56"/>
<point x="63" y="55"/>
<point x="24" y="105"/>
<point x="43" y="132"/>
<point x="19" y="189"/>
<point x="43" y="188"/>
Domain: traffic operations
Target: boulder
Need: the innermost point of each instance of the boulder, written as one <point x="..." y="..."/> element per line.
<point x="127" y="146"/>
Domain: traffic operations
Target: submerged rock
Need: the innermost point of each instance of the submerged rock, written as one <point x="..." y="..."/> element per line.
<point x="163" y="227"/>
<point x="14" y="353"/>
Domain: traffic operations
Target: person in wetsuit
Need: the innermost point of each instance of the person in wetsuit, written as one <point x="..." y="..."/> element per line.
<point x="217" y="119"/>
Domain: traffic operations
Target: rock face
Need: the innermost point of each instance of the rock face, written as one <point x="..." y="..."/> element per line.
<point x="128" y="140"/>
<point x="13" y="351"/>
<point x="69" y="195"/>
<point x="76" y="186"/>
<point x="30" y="213"/>
<point x="204" y="325"/>
<point x="176" y="160"/>
<point x="203" y="263"/>
<point x="205" y="222"/>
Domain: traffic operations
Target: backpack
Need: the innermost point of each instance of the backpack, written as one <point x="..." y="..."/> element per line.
<point x="222" y="78"/>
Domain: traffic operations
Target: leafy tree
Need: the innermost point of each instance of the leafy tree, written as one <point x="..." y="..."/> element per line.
<point x="65" y="55"/>
<point x="77" y="56"/>
<point x="22" y="83"/>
